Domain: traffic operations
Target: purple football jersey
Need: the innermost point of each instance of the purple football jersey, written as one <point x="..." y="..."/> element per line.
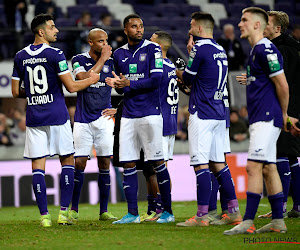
<point x="39" y="67"/>
<point x="142" y="64"/>
<point x="207" y="71"/>
<point x="227" y="108"/>
<point x="169" y="98"/>
<point x="265" y="61"/>
<point x="97" y="97"/>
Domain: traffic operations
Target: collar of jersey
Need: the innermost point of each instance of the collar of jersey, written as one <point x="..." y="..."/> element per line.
<point x="36" y="52"/>
<point x="265" y="41"/>
<point x="134" y="47"/>
<point x="198" y="39"/>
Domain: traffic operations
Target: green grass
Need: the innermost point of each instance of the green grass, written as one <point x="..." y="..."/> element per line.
<point x="19" y="228"/>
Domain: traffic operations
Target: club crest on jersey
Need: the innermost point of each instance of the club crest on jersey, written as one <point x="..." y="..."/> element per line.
<point x="105" y="68"/>
<point x="142" y="57"/>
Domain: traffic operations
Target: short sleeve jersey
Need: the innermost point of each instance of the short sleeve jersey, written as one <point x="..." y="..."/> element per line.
<point x="138" y="63"/>
<point x="208" y="67"/>
<point x="39" y="67"/>
<point x="265" y="62"/>
<point x="169" y="98"/>
<point x="95" y="98"/>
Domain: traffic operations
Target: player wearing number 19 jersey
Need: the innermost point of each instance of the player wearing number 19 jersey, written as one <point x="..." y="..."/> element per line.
<point x="207" y="73"/>
<point x="43" y="69"/>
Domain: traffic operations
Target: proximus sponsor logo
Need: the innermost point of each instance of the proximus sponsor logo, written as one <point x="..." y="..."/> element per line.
<point x="34" y="60"/>
<point x="134" y="77"/>
<point x="219" y="55"/>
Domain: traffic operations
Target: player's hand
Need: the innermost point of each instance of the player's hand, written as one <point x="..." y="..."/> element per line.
<point x="111" y="81"/>
<point x="94" y="76"/>
<point x="122" y="82"/>
<point x="242" y="79"/>
<point x="180" y="64"/>
<point x="109" y="113"/>
<point x="185" y="89"/>
<point x="190" y="44"/>
<point x="106" y="52"/>
<point x="294" y="129"/>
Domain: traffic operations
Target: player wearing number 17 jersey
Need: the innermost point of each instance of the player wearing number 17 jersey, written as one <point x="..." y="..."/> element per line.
<point x="43" y="69"/>
<point x="207" y="73"/>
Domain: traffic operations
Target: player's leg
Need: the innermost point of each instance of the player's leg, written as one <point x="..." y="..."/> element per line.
<point x="80" y="164"/>
<point x="200" y="141"/>
<point x="129" y="153"/>
<point x="275" y="196"/>
<point x="295" y="186"/>
<point x="36" y="148"/>
<point x="151" y="139"/>
<point x="102" y="130"/>
<point x="39" y="188"/>
<point x="61" y="143"/>
<point x="223" y="176"/>
<point x="104" y="187"/>
<point x="83" y="141"/>
<point x="255" y="188"/>
<point x="212" y="208"/>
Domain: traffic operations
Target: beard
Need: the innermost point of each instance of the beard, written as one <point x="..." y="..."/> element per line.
<point x="135" y="39"/>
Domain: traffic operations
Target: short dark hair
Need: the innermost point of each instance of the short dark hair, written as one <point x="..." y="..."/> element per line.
<point x="164" y="36"/>
<point x="203" y="16"/>
<point x="258" y="11"/>
<point x="39" y="20"/>
<point x="126" y="19"/>
<point x="104" y="15"/>
<point x="280" y="19"/>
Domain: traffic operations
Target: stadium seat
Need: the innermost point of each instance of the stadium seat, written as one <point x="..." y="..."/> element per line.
<point x="287" y="7"/>
<point x="168" y="9"/>
<point x="30" y="14"/>
<point x="86" y="2"/>
<point x="120" y="11"/>
<point x="145" y="10"/>
<point x="161" y="22"/>
<point x="175" y="1"/>
<point x="180" y="23"/>
<point x="65" y="22"/>
<point x="268" y="2"/>
<point x="265" y="7"/>
<point x="232" y="20"/>
<point x="187" y="10"/>
<point x="236" y="9"/>
<point x="108" y="2"/>
<point x="198" y="2"/>
<point x="217" y="10"/>
<point x="97" y="10"/>
<point x="65" y="4"/>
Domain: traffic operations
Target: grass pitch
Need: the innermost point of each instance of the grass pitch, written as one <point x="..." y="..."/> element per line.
<point x="19" y="228"/>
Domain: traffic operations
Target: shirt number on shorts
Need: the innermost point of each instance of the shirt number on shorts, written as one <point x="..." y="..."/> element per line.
<point x="37" y="79"/>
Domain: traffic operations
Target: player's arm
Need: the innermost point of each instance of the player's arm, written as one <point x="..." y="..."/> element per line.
<point x="15" y="88"/>
<point x="282" y="91"/>
<point x="105" y="55"/>
<point x="190" y="73"/>
<point x="75" y="86"/>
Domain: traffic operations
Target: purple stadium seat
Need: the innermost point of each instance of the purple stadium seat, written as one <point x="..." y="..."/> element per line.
<point x="116" y="23"/>
<point x="75" y="11"/>
<point x="180" y="23"/>
<point x="64" y="22"/>
<point x="161" y="22"/>
<point x="179" y="36"/>
<point x="168" y="9"/>
<point x="142" y="9"/>
<point x="187" y="10"/>
<point x="265" y="7"/>
<point x="287" y="7"/>
<point x="235" y="9"/>
<point x="175" y="1"/>
<point x="86" y="2"/>
<point x="97" y="10"/>
<point x="232" y="20"/>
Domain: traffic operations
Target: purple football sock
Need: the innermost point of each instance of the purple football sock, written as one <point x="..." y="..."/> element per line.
<point x="203" y="191"/>
<point x="225" y="180"/>
<point x="223" y="199"/>
<point x="283" y="168"/>
<point x="151" y="204"/>
<point x="163" y="179"/>
<point x="253" y="200"/>
<point x="276" y="205"/>
<point x="130" y="186"/>
<point x="295" y="182"/>
<point x="39" y="188"/>
<point x="158" y="204"/>
<point x="66" y="186"/>
<point x="78" y="182"/>
<point x="214" y="193"/>
<point x="104" y="188"/>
